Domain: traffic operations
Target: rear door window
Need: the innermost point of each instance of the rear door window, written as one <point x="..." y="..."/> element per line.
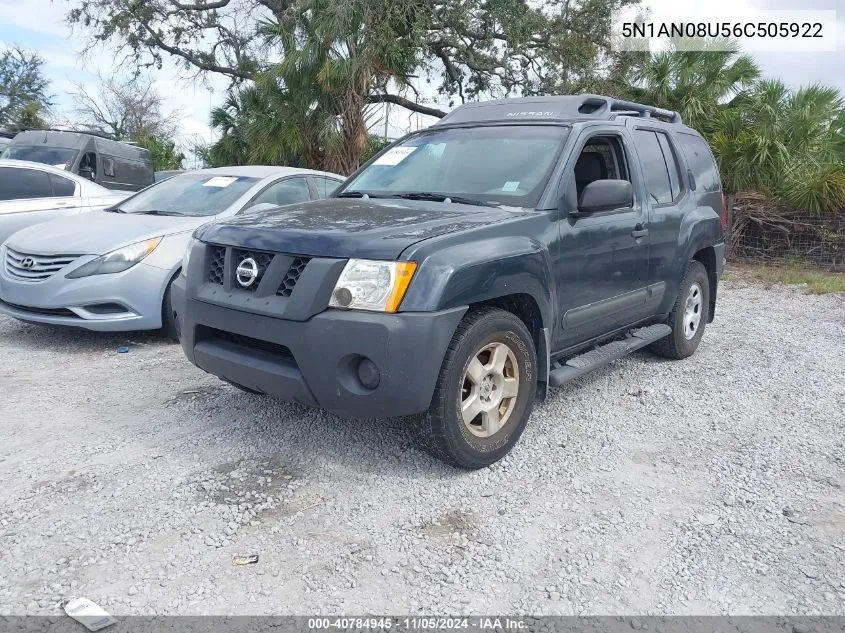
<point x="700" y="161"/>
<point x="655" y="171"/>
<point x="285" y="192"/>
<point x="325" y="186"/>
<point x="671" y="165"/>
<point x="24" y="184"/>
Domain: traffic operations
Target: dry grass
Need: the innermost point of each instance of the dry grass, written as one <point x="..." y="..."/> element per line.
<point x="817" y="282"/>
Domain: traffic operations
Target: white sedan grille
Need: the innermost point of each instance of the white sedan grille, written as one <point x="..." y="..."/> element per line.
<point x="34" y="267"/>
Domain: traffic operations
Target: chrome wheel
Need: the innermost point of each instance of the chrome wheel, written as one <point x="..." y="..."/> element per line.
<point x="489" y="389"/>
<point x="692" y="311"/>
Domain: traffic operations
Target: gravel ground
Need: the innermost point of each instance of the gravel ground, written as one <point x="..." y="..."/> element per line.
<point x="706" y="486"/>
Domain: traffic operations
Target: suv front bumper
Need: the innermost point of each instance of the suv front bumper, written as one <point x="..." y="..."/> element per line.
<point x="316" y="362"/>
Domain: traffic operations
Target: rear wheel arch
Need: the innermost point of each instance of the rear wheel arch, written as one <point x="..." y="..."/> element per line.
<point x="707" y="257"/>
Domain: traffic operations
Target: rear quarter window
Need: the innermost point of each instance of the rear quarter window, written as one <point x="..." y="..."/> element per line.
<point x="700" y="161"/>
<point x="62" y="186"/>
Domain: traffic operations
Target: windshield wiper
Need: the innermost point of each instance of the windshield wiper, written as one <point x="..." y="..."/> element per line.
<point x="440" y="197"/>
<point x="114" y="209"/>
<point x="157" y="212"/>
<point x="361" y="194"/>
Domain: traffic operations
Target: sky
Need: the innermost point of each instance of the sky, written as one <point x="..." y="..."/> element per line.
<point x="39" y="25"/>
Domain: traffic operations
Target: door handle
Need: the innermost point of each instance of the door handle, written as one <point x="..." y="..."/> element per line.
<point x="639" y="231"/>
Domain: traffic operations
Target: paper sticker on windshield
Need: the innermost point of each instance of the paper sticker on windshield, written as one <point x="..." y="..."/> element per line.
<point x="510" y="185"/>
<point x="394" y="156"/>
<point x="219" y="181"/>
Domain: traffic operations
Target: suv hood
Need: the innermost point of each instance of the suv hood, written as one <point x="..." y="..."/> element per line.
<point x="98" y="232"/>
<point x="350" y="227"/>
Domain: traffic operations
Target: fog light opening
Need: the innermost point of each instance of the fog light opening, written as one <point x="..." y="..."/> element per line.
<point x="368" y="373"/>
<point x="343" y="296"/>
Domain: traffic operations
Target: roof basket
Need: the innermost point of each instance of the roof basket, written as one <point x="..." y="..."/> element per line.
<point x="597" y="104"/>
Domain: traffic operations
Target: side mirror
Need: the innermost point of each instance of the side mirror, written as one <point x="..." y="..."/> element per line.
<point x="605" y="195"/>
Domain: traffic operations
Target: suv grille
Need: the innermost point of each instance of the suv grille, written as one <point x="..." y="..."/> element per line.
<point x="217" y="275"/>
<point x="215" y="271"/>
<point x="292" y="276"/>
<point x="35" y="267"/>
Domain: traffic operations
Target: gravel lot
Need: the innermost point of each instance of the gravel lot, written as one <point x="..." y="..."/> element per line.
<point x="712" y="485"/>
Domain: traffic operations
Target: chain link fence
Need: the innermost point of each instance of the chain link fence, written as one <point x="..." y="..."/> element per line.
<point x="767" y="232"/>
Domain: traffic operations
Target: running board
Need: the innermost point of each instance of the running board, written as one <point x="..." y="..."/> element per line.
<point x="605" y="354"/>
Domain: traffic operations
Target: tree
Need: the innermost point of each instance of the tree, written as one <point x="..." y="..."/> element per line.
<point x="128" y="110"/>
<point x="24" y="97"/>
<point x="468" y="48"/>
<point x="164" y="153"/>
<point x="695" y="83"/>
<point x="785" y="143"/>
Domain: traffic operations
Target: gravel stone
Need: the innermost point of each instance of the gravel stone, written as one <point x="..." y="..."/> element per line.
<point x="706" y="486"/>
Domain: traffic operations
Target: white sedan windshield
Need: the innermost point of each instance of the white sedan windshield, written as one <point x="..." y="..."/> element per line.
<point x="189" y="194"/>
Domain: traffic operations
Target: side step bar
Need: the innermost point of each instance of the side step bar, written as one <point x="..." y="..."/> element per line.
<point x="606" y="354"/>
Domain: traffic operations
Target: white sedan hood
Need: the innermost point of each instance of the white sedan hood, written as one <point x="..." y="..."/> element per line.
<point x="98" y="232"/>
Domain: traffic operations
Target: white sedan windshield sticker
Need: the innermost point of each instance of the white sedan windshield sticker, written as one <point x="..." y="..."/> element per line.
<point x="394" y="156"/>
<point x="219" y="181"/>
<point x="510" y="185"/>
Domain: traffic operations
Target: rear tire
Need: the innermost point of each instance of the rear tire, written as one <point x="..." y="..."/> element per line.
<point x="485" y="392"/>
<point x="689" y="315"/>
<point x="169" y="325"/>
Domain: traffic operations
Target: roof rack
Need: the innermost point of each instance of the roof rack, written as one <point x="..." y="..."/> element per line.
<point x="598" y="105"/>
<point x="554" y="108"/>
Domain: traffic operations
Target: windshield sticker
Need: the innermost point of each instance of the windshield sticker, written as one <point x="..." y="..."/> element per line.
<point x="219" y="181"/>
<point x="511" y="185"/>
<point x="394" y="156"/>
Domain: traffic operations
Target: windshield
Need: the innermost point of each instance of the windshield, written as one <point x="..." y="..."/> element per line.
<point x="60" y="157"/>
<point x="497" y="164"/>
<point x="189" y="194"/>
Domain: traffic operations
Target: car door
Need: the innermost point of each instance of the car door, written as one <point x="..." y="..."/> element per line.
<point x="666" y="202"/>
<point x="31" y="196"/>
<point x="602" y="264"/>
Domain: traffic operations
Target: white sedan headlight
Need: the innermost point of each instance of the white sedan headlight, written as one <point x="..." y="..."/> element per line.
<point x="116" y="261"/>
<point x="372" y="285"/>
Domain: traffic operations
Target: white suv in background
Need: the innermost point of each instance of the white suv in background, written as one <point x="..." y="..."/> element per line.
<point x="31" y="193"/>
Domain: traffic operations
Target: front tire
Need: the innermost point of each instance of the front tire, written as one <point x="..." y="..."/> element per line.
<point x="485" y="392"/>
<point x="689" y="315"/>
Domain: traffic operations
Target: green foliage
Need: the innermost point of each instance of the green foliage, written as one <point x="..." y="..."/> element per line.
<point x="24" y="100"/>
<point x="788" y="144"/>
<point x="695" y="83"/>
<point x="29" y="117"/>
<point x="164" y="153"/>
<point x="785" y="143"/>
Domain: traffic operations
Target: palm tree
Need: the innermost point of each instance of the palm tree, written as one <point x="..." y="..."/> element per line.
<point x="785" y="143"/>
<point x="334" y="57"/>
<point x="695" y="83"/>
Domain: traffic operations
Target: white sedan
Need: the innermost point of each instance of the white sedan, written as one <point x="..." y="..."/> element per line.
<point x="32" y="193"/>
<point x="111" y="270"/>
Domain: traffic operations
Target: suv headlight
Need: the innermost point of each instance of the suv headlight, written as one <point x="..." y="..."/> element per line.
<point x="372" y="285"/>
<point x="116" y="261"/>
<point x="187" y="258"/>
